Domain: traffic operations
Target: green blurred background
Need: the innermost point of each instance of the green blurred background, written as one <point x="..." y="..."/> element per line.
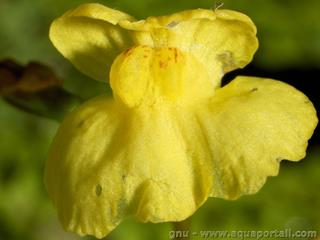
<point x="289" y="34"/>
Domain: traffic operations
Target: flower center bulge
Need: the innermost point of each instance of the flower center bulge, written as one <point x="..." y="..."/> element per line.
<point x="146" y="75"/>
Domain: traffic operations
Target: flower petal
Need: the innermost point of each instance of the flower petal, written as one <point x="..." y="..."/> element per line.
<point x="250" y="125"/>
<point x="108" y="161"/>
<point x="160" y="162"/>
<point x="221" y="40"/>
<point x="158" y="74"/>
<point x="90" y="38"/>
<point x="92" y="35"/>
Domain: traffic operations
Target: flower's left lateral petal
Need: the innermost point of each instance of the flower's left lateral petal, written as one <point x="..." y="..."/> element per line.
<point x="86" y="201"/>
<point x="251" y="125"/>
<point x="90" y="38"/>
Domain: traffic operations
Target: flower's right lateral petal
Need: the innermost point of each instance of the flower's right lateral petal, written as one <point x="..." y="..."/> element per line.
<point x="90" y="38"/>
<point x="250" y="125"/>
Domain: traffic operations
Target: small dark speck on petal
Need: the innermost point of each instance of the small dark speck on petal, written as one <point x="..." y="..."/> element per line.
<point x="98" y="190"/>
<point x="124" y="177"/>
<point x="172" y="24"/>
<point x="254" y="89"/>
<point x="279" y="159"/>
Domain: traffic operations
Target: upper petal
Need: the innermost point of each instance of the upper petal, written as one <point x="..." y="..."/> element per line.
<point x="221" y="40"/>
<point x="250" y="125"/>
<point x="92" y="35"/>
<point x="90" y="38"/>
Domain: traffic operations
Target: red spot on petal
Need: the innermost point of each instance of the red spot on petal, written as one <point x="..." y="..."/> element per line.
<point x="163" y="64"/>
<point x="128" y="51"/>
<point x="175" y="55"/>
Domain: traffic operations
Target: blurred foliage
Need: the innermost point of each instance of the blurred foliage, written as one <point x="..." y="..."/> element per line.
<point x="289" y="34"/>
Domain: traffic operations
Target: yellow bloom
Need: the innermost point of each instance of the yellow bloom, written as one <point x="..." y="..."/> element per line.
<point x="171" y="136"/>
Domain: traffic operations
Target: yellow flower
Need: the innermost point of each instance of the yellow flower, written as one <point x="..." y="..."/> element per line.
<point x="171" y="136"/>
